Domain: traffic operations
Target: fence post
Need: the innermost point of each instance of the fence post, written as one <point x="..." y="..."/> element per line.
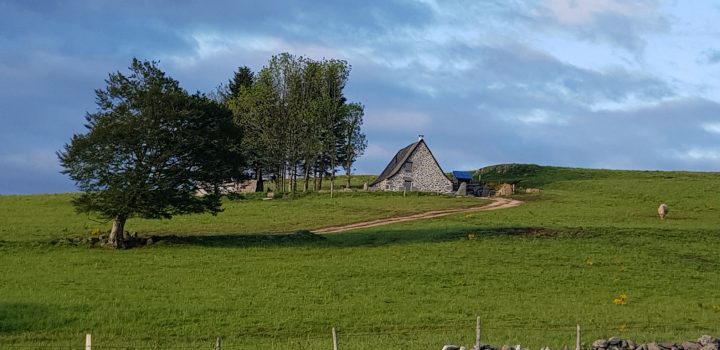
<point x="577" y="338"/>
<point x="334" y="334"/>
<point x="217" y="343"/>
<point x="477" y="334"/>
<point x="88" y="341"/>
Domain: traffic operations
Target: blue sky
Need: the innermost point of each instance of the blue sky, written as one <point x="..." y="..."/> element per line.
<point x="594" y="83"/>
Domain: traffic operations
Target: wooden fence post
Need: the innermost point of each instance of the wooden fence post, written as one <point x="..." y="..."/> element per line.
<point x="334" y="334"/>
<point x="88" y="341"/>
<point x="218" y="343"/>
<point x="577" y="338"/>
<point x="477" y="334"/>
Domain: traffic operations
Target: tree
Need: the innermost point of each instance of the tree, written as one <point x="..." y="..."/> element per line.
<point x="149" y="148"/>
<point x="296" y="119"/>
<point x="354" y="142"/>
<point x="243" y="79"/>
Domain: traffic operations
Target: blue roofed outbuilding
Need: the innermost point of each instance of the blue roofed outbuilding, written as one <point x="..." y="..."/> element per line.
<point x="462" y="176"/>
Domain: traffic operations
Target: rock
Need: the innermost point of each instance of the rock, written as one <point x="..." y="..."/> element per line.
<point x="667" y="346"/>
<point x="641" y="347"/>
<point x="365" y="186"/>
<point x="614" y="341"/>
<point x="462" y="189"/>
<point x="149" y="241"/>
<point x="451" y="347"/>
<point x="710" y="346"/>
<point x="653" y="346"/>
<point x="600" y="344"/>
<point x="691" y="345"/>
<point x="705" y="340"/>
<point x="631" y="344"/>
<point x="504" y="347"/>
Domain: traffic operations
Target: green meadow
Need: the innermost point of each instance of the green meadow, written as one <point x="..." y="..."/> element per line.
<point x="531" y="272"/>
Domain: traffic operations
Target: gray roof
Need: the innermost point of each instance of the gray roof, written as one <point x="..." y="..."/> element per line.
<point x="397" y="162"/>
<point x="400" y="158"/>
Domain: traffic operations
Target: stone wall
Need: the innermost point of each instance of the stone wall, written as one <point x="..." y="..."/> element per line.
<point x="426" y="174"/>
<point x="705" y="342"/>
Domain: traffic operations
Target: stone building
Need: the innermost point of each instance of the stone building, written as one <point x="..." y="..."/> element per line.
<point x="414" y="168"/>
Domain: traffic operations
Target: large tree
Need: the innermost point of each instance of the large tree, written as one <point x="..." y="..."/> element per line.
<point x="148" y="149"/>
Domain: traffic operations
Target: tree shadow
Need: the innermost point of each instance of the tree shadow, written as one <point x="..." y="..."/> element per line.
<point x="302" y="237"/>
<point x="361" y="238"/>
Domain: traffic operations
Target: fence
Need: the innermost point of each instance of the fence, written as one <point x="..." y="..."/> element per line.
<point x="333" y="338"/>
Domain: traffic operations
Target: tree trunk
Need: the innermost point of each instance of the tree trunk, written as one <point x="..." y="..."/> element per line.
<point x="332" y="183"/>
<point x="349" y="166"/>
<point x="306" y="176"/>
<point x="315" y="179"/>
<point x="259" y="186"/>
<point x="117" y="234"/>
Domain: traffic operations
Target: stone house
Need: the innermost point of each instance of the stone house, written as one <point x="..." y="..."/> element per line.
<point x="414" y="168"/>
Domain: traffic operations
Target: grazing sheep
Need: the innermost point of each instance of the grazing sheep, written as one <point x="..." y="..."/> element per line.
<point x="663" y="211"/>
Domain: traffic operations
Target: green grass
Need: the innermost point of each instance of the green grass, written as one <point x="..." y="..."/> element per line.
<point x="530" y="272"/>
<point x="45" y="217"/>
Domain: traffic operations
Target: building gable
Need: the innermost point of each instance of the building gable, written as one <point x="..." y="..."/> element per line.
<point x="414" y="168"/>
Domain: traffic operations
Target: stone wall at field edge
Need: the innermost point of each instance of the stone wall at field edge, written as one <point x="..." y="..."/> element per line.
<point x="705" y="342"/>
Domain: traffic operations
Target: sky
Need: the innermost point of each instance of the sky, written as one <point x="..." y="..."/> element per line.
<point x="615" y="84"/>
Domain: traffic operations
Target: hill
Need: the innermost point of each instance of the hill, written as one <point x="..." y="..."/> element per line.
<point x="531" y="272"/>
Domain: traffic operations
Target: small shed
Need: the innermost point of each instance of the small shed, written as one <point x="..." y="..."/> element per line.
<point x="461" y="176"/>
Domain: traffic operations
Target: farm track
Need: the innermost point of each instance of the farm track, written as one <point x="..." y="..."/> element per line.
<point x="497" y="203"/>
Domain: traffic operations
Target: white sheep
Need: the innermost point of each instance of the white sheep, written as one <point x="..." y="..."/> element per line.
<point x="663" y="210"/>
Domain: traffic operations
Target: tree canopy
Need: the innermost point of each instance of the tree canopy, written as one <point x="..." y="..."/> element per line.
<point x="297" y="119"/>
<point x="148" y="149"/>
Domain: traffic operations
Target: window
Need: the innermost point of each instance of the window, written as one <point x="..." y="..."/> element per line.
<point x="407" y="167"/>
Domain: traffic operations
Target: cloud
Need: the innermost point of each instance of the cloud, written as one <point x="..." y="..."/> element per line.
<point x="562" y="82"/>
<point x="699" y="154"/>
<point x="713" y="128"/>
<point x="619" y="23"/>
<point x="710" y="57"/>
<point x="389" y="119"/>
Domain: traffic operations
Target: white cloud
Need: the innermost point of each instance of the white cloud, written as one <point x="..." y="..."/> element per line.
<point x="713" y="128"/>
<point x="212" y="45"/>
<point x="539" y="116"/>
<point x="36" y="160"/>
<point x="578" y="12"/>
<point x="392" y="119"/>
<point x="699" y="154"/>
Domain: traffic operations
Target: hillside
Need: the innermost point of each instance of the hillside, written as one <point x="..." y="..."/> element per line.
<point x="532" y="175"/>
<point x="532" y="272"/>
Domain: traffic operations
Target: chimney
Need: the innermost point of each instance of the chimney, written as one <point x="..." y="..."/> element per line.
<point x="420" y="137"/>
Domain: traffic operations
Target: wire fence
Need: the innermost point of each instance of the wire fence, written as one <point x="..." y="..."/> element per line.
<point x="406" y="337"/>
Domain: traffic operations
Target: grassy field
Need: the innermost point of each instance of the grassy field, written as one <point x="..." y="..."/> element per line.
<point x="41" y="218"/>
<point x="530" y="272"/>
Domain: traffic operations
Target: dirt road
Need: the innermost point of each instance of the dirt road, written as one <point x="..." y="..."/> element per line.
<point x="497" y="203"/>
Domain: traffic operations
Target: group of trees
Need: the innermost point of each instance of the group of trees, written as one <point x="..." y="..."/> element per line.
<point x="151" y="145"/>
<point x="297" y="122"/>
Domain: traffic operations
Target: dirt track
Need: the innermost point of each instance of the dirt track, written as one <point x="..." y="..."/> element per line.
<point x="497" y="203"/>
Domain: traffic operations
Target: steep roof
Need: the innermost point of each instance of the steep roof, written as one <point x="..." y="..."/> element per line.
<point x="397" y="162"/>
